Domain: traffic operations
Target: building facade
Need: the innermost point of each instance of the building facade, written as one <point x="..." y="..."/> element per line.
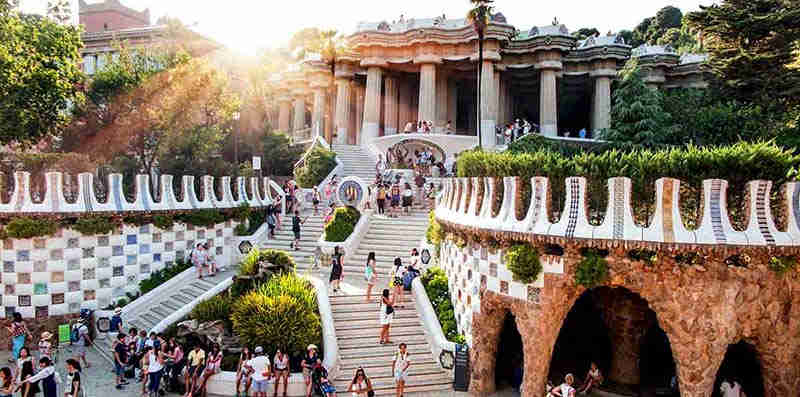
<point x="426" y="69"/>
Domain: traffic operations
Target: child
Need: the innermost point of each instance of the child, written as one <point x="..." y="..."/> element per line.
<point x="315" y="198"/>
<point x="44" y="345"/>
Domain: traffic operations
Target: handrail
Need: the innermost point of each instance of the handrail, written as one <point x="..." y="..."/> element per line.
<point x="317" y="138"/>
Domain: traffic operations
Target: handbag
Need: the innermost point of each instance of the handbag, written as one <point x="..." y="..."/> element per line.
<point x="389" y="309"/>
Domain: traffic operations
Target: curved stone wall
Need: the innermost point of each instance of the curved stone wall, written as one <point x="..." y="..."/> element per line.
<point x="702" y="306"/>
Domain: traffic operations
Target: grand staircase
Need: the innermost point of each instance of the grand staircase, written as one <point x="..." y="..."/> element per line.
<point x="309" y="234"/>
<point x="358" y="329"/>
<point x="357" y="162"/>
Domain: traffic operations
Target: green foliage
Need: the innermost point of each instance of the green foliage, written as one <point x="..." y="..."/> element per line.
<point x="278" y="314"/>
<point x="202" y="217"/>
<point x="39" y="75"/>
<point x="666" y="18"/>
<point x="782" y="264"/>
<point x="592" y="270"/>
<point x="643" y="255"/>
<point x="212" y="309"/>
<point x="690" y="258"/>
<point x="342" y="224"/>
<point x="137" y="219"/>
<point x="241" y="230"/>
<point x="163" y="222"/>
<point x="242" y="212"/>
<point x="435" y="234"/>
<point x="318" y="164"/>
<point x="584" y="33"/>
<point x="159" y="277"/>
<point x="94" y="224"/>
<point x="435" y="282"/>
<point x="26" y="227"/>
<point x="251" y="263"/>
<point x="523" y="261"/>
<point x="738" y="260"/>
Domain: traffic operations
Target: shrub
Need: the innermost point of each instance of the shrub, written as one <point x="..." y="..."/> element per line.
<point x="342" y="224"/>
<point x="30" y="227"/>
<point x="251" y="263"/>
<point x="138" y="220"/>
<point x="523" y="261"/>
<point x="782" y="264"/>
<point x="163" y="222"/>
<point x="435" y="282"/>
<point x="690" y="258"/>
<point x="318" y="164"/>
<point x="272" y="316"/>
<point x="241" y="230"/>
<point x="203" y="217"/>
<point x="591" y="271"/>
<point x="738" y="260"/>
<point x="643" y="255"/>
<point x="91" y="225"/>
<point x="159" y="277"/>
<point x="291" y="285"/>
<point x="212" y="309"/>
<point x="435" y="234"/>
<point x="242" y="212"/>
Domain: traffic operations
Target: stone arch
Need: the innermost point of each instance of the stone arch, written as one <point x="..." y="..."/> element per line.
<point x="742" y="363"/>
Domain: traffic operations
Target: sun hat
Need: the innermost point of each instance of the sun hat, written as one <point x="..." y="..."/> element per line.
<point x="312" y="346"/>
<point x="259" y="349"/>
<point x="46" y="335"/>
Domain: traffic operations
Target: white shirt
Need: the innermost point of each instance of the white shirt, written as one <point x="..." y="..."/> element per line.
<point x="566" y="390"/>
<point x="729" y="390"/>
<point x="259" y="365"/>
<point x="154" y="365"/>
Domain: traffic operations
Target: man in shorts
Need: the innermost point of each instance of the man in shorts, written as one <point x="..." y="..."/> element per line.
<point x="259" y="370"/>
<point x="120" y="360"/>
<point x="84" y="341"/>
<point x="309" y="362"/>
<point x="197" y="357"/>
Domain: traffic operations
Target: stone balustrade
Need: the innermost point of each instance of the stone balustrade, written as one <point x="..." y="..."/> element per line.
<point x="458" y="205"/>
<point x="214" y="195"/>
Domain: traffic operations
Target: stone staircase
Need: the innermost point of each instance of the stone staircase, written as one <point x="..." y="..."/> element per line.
<point x="357" y="162"/>
<point x="358" y="330"/>
<point x="388" y="238"/>
<point x="310" y="232"/>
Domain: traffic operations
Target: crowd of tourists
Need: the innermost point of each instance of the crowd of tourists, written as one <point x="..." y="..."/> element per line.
<point x="425" y="127"/>
<point x="510" y="132"/>
<point x="31" y="375"/>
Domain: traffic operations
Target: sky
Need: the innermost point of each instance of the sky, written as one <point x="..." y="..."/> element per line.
<point x="245" y="26"/>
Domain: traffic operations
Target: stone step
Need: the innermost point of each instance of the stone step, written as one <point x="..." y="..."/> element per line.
<point x="149" y="319"/>
<point x="399" y="314"/>
<point x="413" y="388"/>
<point x="171" y="305"/>
<point x="414" y="371"/>
<point x="160" y="311"/>
<point x="375" y="332"/>
<point x="181" y="298"/>
<point x="373" y="322"/>
<point x="364" y="307"/>
<point x="417" y="358"/>
<point x="354" y="343"/>
<point x="377" y="350"/>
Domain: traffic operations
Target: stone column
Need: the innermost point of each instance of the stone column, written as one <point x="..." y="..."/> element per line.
<point x="391" y="108"/>
<point x="488" y="115"/>
<point x="502" y="105"/>
<point x="548" y="103"/>
<point x="452" y="103"/>
<point x="372" y="105"/>
<point x="284" y="115"/>
<point x="427" y="92"/>
<point x="441" y="102"/>
<point x="343" y="94"/>
<point x="601" y="112"/>
<point x="299" y="113"/>
<point x="318" y="115"/>
<point x="496" y="98"/>
<point x="359" y="133"/>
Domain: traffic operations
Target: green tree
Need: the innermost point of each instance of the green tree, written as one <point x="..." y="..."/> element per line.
<point x="627" y="35"/>
<point x="752" y="46"/>
<point x="639" y="35"/>
<point x="479" y="16"/>
<point x="666" y="18"/>
<point x="584" y="33"/>
<point x="39" y="75"/>
<point x="637" y="115"/>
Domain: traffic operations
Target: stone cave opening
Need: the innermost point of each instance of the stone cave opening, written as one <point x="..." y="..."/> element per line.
<point x="615" y="329"/>
<point x="510" y="360"/>
<point x="741" y="364"/>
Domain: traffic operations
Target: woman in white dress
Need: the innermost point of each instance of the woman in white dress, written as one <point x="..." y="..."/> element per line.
<point x="565" y="389"/>
<point x="386" y="316"/>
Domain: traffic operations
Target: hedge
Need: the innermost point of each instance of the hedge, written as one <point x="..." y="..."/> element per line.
<point x="215" y="308"/>
<point x="251" y="263"/>
<point x="342" y="224"/>
<point x="738" y="164"/>
<point x="435" y="282"/>
<point x="159" y="277"/>
<point x="523" y="261"/>
<point x="318" y="164"/>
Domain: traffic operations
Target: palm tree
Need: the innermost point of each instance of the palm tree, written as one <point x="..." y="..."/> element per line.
<point x="479" y="15"/>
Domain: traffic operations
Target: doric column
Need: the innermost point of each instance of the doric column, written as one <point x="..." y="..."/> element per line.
<point x="548" y="103"/>
<point x="391" y="108"/>
<point x="343" y="95"/>
<point x="427" y="92"/>
<point x="441" y="101"/>
<point x="318" y="115"/>
<point x="601" y="113"/>
<point x="372" y="105"/>
<point x="488" y="115"/>
<point x="502" y="115"/>
<point x="496" y="97"/>
<point x="405" y="95"/>
<point x="284" y="115"/>
<point x="299" y="113"/>
<point x="452" y="103"/>
<point x="359" y="93"/>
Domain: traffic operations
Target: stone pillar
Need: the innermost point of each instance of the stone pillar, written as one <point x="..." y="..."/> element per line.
<point x="601" y="106"/>
<point x="284" y="116"/>
<point x="343" y="94"/>
<point x="427" y="92"/>
<point x="548" y="103"/>
<point x="488" y="115"/>
<point x="441" y="102"/>
<point x="452" y="103"/>
<point x="358" y="134"/>
<point x="372" y="105"/>
<point x="318" y="115"/>
<point x="390" y="103"/>
<point x="299" y="113"/>
<point x="502" y="105"/>
<point x="496" y="98"/>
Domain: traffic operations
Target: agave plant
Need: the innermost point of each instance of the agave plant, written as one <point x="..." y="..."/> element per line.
<point x="479" y="15"/>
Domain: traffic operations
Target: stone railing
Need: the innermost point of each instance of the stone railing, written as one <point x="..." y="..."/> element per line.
<point x="457" y="205"/>
<point x="220" y="195"/>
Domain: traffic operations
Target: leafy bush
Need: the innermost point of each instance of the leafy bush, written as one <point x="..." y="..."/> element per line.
<point x="435" y="234"/>
<point x="523" y="261"/>
<point x="252" y="262"/>
<point x="342" y="224"/>
<point x="138" y="219"/>
<point x="212" y="309"/>
<point x="26" y="227"/>
<point x="435" y="282"/>
<point x="643" y="255"/>
<point x="690" y="258"/>
<point x="203" y="217"/>
<point x="738" y="260"/>
<point x="242" y="212"/>
<point x="163" y="222"/>
<point x="92" y="225"/>
<point x="318" y="164"/>
<point x="591" y="271"/>
<point x="241" y="230"/>
<point x="782" y="264"/>
<point x="159" y="277"/>
<point x="274" y="316"/>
